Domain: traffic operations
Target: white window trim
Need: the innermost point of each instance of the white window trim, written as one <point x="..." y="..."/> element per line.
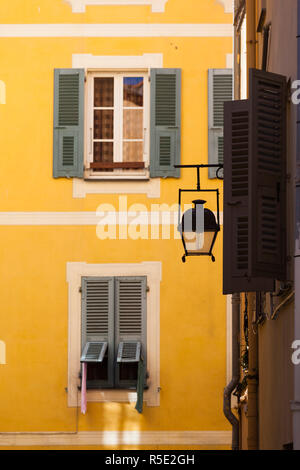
<point x="89" y="125"/>
<point x="228" y="5"/>
<point x="78" y="6"/>
<point x="150" y="187"/>
<point x="74" y="273"/>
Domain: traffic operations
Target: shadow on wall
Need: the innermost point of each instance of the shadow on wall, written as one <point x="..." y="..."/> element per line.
<point x="2" y="352"/>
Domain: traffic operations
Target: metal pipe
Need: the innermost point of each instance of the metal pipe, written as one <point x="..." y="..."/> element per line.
<point x="235" y="372"/>
<point x="274" y="312"/>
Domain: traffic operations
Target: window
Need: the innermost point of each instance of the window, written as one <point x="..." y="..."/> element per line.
<point x="151" y="271"/>
<point x="113" y="330"/>
<point x="116" y="125"/>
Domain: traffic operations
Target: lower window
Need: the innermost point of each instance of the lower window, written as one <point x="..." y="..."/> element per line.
<point x="113" y="330"/>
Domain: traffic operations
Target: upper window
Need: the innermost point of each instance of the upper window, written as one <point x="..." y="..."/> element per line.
<point x="117" y="124"/>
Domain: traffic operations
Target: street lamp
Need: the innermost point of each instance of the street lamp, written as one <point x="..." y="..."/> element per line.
<point x="198" y="226"/>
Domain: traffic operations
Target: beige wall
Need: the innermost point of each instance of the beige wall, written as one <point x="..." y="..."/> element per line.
<point x="276" y="336"/>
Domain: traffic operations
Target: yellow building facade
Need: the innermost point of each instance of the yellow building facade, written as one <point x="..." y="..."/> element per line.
<point x="57" y="231"/>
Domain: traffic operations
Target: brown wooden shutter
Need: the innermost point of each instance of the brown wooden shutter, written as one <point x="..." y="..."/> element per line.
<point x="236" y="202"/>
<point x="267" y="174"/>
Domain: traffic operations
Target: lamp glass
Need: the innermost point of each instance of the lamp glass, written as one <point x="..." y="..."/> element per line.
<point x="198" y="242"/>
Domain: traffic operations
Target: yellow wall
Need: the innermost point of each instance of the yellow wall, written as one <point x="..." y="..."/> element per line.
<point x="33" y="288"/>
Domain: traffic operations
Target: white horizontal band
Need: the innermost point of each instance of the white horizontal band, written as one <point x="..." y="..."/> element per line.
<point x="115" y="30"/>
<point x="91" y="218"/>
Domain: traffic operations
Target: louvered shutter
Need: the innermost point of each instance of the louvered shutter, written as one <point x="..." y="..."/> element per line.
<point x="68" y="123"/>
<point x="130" y="327"/>
<point x="267" y="173"/>
<point x="236" y="276"/>
<point x="98" y="318"/>
<point x="165" y="122"/>
<point x="94" y="351"/>
<point x="129" y="351"/>
<point x="220" y="90"/>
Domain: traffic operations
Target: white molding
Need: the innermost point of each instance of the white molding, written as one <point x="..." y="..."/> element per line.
<point x="118" y="438"/>
<point x="73" y="275"/>
<point x="63" y="30"/>
<point x="78" y="6"/>
<point x="109" y="62"/>
<point x="229" y="61"/>
<point x="91" y="218"/>
<point x="149" y="187"/>
<point x="2" y="352"/>
<point x="2" y="92"/>
<point x="227" y="5"/>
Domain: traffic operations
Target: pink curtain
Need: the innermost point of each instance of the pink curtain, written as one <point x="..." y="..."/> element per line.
<point x="83" y="388"/>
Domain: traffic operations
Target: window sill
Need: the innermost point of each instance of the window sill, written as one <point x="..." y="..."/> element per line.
<point x="93" y="176"/>
<point x="126" y="396"/>
<point x="108" y="185"/>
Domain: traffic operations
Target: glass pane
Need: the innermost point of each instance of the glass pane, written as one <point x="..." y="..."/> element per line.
<point x="103" y="92"/>
<point x="132" y="124"/>
<point x="132" y="151"/>
<point x="133" y="91"/>
<point x="103" y="124"/>
<point x="103" y="151"/>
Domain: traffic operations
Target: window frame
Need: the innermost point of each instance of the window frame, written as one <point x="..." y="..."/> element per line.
<point x="113" y="380"/>
<point x="74" y="272"/>
<point x="118" y="75"/>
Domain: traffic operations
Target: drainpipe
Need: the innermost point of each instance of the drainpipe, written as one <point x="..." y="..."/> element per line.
<point x="295" y="406"/>
<point x="235" y="371"/>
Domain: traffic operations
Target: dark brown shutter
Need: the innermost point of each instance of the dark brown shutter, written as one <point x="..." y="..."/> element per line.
<point x="267" y="174"/>
<point x="236" y="202"/>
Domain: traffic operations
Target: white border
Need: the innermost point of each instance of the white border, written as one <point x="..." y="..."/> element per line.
<point x="116" y="30"/>
<point x="153" y="272"/>
<point x="228" y="5"/>
<point x="115" y="62"/>
<point x="78" y="6"/>
<point x="118" y="438"/>
<point x="2" y="92"/>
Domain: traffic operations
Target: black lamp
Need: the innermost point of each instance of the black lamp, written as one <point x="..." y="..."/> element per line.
<point x="199" y="230"/>
<point x="198" y="226"/>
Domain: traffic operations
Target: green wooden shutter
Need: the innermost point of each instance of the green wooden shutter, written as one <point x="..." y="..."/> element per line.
<point x="98" y="320"/>
<point x="220" y="90"/>
<point x="236" y="271"/>
<point x="68" y="123"/>
<point x="267" y="173"/>
<point x="130" y="326"/>
<point x="165" y="122"/>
